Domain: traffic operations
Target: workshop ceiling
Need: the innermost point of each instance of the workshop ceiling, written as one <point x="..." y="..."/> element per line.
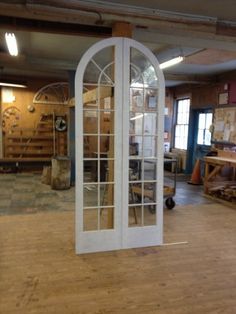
<point x="53" y="35"/>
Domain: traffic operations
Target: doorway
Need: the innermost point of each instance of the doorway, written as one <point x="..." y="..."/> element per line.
<point x="200" y="137"/>
<point x="119" y="147"/>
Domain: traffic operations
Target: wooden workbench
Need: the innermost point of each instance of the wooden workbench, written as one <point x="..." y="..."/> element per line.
<point x="213" y="169"/>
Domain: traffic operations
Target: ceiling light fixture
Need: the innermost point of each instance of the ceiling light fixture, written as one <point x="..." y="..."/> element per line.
<point x="171" y="62"/>
<point x="11" y="44"/>
<point x="5" y="84"/>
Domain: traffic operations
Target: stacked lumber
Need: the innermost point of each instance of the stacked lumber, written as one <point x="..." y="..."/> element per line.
<point x="224" y="190"/>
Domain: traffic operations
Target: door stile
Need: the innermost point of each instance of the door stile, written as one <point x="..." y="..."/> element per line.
<point x="118" y="139"/>
<point x="160" y="154"/>
<point x="125" y="139"/>
<point x="79" y="174"/>
<point x="138" y="236"/>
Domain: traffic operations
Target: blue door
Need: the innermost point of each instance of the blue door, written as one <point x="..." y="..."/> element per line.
<point x="199" y="143"/>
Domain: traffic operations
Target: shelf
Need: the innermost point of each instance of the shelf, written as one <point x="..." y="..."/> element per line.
<point x="26" y="137"/>
<point x="35" y="142"/>
<point x="30" y="152"/>
<point x="32" y="144"/>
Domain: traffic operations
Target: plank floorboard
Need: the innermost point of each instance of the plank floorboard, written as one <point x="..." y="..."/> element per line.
<point x="40" y="273"/>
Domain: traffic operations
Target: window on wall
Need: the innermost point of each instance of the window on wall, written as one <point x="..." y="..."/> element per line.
<point x="182" y="122"/>
<point x="204" y="134"/>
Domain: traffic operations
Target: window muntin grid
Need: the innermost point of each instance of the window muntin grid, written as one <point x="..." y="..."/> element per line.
<point x="142" y="146"/>
<point x="182" y="123"/>
<point x="98" y="158"/>
<point x="204" y="123"/>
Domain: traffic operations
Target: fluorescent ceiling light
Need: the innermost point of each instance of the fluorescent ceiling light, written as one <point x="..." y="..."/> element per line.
<point x="11" y="44"/>
<point x="12" y="85"/>
<point x="171" y="62"/>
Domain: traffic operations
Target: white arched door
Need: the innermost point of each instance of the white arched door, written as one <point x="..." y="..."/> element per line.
<point x="119" y="147"/>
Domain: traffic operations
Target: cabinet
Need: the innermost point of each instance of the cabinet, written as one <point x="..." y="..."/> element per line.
<point x="220" y="177"/>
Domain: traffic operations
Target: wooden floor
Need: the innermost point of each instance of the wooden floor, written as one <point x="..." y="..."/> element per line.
<point x="40" y="273"/>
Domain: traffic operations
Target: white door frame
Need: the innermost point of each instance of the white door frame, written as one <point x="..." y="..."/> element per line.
<point x="121" y="236"/>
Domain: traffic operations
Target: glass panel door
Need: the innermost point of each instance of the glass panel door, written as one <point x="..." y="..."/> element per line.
<point x="144" y="156"/>
<point x="97" y="211"/>
<point x="98" y="132"/>
<point x="119" y="153"/>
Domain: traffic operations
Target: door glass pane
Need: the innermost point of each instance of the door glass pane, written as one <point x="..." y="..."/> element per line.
<point x="207" y="138"/>
<point x="149" y="146"/>
<point x="149" y="169"/>
<point x="106" y="122"/>
<point x="90" y="171"/>
<point x="90" y="218"/>
<point x="107" y="76"/>
<point x="135" y="146"/>
<point x="107" y="170"/>
<point x="149" y="194"/>
<point x="149" y="213"/>
<point x="136" y="123"/>
<point x="100" y="68"/>
<point x="200" y="137"/>
<point x="90" y="146"/>
<point x="208" y="120"/>
<point x="142" y="71"/>
<point x="90" y="195"/>
<point x="150" y="127"/>
<point x="107" y="146"/>
<point x="135" y="216"/>
<point x="204" y="135"/>
<point x="90" y="121"/>
<point x="201" y="121"/>
<point x="151" y="100"/>
<point x="106" y="194"/>
<point x="135" y="193"/>
<point x="135" y="169"/>
<point x="137" y="98"/>
<point x="90" y="101"/>
<point x="107" y="218"/>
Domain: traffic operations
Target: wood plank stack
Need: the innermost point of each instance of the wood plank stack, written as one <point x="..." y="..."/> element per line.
<point x="224" y="190"/>
<point x="39" y="142"/>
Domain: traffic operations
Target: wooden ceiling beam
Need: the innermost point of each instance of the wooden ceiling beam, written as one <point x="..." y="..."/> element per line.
<point x="199" y="79"/>
<point x="185" y="38"/>
<point x="105" y="14"/>
<point x="36" y="25"/>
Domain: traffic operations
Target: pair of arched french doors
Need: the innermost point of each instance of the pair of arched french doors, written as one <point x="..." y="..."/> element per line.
<point x="119" y="147"/>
